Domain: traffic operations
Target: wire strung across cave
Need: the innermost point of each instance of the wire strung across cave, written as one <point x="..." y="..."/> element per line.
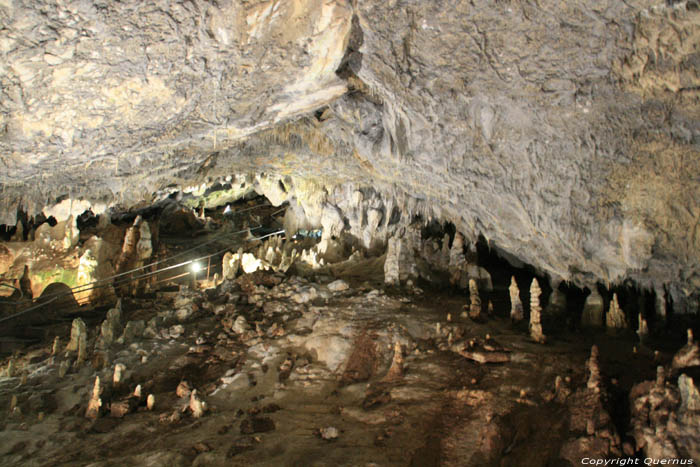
<point x="92" y="285"/>
<point x="105" y="282"/>
<point x="88" y="287"/>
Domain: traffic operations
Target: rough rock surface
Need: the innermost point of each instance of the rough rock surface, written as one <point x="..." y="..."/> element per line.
<point x="566" y="133"/>
<point x="665" y="418"/>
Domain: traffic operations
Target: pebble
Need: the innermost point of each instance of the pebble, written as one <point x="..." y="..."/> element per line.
<point x="338" y="286"/>
<point x="328" y="433"/>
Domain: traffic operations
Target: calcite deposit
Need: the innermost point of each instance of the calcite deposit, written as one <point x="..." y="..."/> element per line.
<point x="516" y="305"/>
<point x="615" y="318"/>
<point x="536" y="313"/>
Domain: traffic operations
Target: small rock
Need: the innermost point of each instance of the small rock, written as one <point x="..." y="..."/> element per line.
<point x="176" y="331"/>
<point x="183" y="314"/>
<point x="183" y="389"/>
<point x="197" y="406"/>
<point x="329" y="433"/>
<point x="338" y="286"/>
<point x="240" y="325"/>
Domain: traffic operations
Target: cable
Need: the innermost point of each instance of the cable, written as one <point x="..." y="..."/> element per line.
<point x="83" y="289"/>
<point x="104" y="282"/>
<point x="87" y="287"/>
<point x="21" y="294"/>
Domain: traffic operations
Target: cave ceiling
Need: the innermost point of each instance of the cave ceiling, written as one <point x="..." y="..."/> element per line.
<point x="566" y="133"/>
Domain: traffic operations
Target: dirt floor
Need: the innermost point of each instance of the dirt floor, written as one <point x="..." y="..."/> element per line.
<point x="302" y="379"/>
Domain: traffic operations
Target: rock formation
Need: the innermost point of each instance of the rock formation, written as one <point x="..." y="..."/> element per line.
<point x="535" y="313"/>
<point x="688" y="355"/>
<point x="615" y="317"/>
<point x="643" y="328"/>
<point x="593" y="370"/>
<point x="111" y="327"/>
<point x="196" y="405"/>
<point x="474" y="300"/>
<point x="117" y="377"/>
<point x="95" y="403"/>
<point x="593" y="310"/>
<point x="56" y="346"/>
<point x="396" y="369"/>
<point x="78" y="340"/>
<point x="516" y="305"/>
<point x="665" y="417"/>
<point x="556" y="307"/>
<point x="457" y="261"/>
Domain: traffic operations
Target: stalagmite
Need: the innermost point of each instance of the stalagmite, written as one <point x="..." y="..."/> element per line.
<point x="111" y="327"/>
<point x="119" y="369"/>
<point x="78" y="340"/>
<point x="396" y="369"/>
<point x="593" y="310"/>
<point x="197" y="406"/>
<point x="144" y="247"/>
<point x="690" y="396"/>
<point x="660" y="376"/>
<point x="594" y="370"/>
<point x="688" y="355"/>
<point x="535" y="313"/>
<point x="78" y="330"/>
<point x="183" y="389"/>
<point x="93" y="409"/>
<point x="660" y="304"/>
<point x="615" y="318"/>
<point x="128" y="253"/>
<point x="643" y="329"/>
<point x="391" y="264"/>
<point x="10" y="370"/>
<point x="556" y="305"/>
<point x="231" y="264"/>
<point x="86" y="275"/>
<point x="475" y="305"/>
<point x="457" y="260"/>
<point x="516" y="305"/>
<point x="63" y="368"/>
<point x="56" y="347"/>
<point x="150" y="401"/>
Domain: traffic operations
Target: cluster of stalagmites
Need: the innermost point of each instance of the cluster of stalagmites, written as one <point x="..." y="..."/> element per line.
<point x="517" y="313"/>
<point x="276" y="255"/>
<point x="409" y="257"/>
<point x="120" y="401"/>
<point x="665" y="417"/>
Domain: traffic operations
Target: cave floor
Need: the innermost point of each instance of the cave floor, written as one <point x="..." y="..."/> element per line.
<point x="303" y="379"/>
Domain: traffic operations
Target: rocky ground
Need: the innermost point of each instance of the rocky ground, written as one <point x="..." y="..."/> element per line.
<point x="274" y="369"/>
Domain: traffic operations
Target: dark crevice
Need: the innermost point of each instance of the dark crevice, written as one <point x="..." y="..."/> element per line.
<point x="351" y="63"/>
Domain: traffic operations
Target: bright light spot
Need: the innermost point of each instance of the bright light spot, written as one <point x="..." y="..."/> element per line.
<point x="195" y="267"/>
<point x="250" y="263"/>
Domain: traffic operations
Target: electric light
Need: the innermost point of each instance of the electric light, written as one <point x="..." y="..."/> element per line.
<point x="195" y="267"/>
